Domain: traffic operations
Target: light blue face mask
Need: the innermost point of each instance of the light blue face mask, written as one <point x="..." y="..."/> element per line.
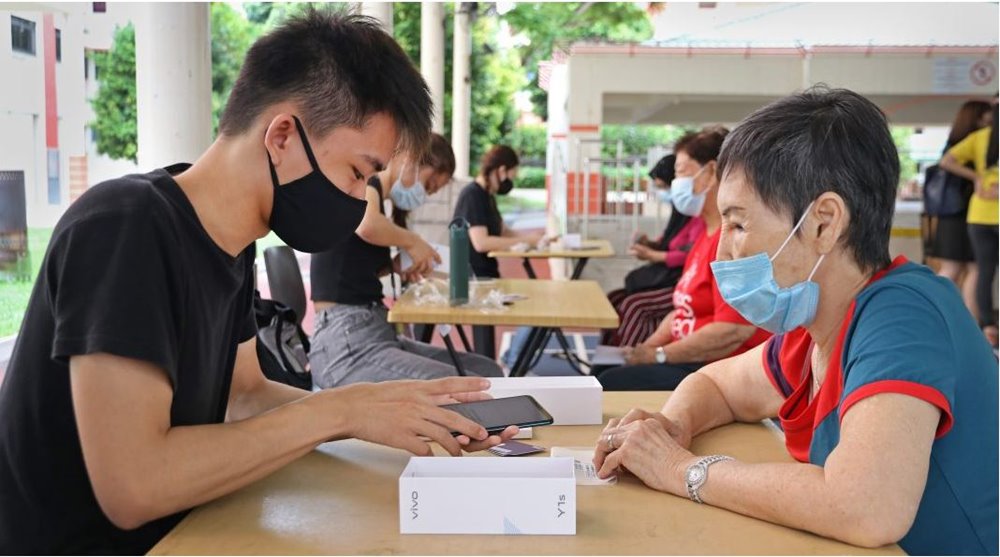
<point x="408" y="198"/>
<point x="663" y="195"/>
<point x="748" y="286"/>
<point x="683" y="196"/>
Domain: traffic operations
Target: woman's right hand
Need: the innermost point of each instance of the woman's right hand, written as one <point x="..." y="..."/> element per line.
<point x="680" y="434"/>
<point x="988" y="191"/>
<point x="423" y="255"/>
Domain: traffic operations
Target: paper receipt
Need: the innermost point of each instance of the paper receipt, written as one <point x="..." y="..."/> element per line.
<point x="583" y="458"/>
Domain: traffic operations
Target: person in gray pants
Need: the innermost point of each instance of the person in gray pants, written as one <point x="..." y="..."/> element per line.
<point x="353" y="341"/>
<point x="357" y="343"/>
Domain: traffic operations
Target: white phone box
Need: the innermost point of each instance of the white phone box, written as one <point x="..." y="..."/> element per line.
<point x="488" y="495"/>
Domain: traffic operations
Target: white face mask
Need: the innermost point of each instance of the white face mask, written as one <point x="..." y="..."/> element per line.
<point x="408" y="198"/>
<point x="683" y="196"/>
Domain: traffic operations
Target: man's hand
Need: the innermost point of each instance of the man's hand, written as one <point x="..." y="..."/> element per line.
<point x="402" y="414"/>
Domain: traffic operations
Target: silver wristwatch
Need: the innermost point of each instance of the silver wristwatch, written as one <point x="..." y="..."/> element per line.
<point x="697" y="474"/>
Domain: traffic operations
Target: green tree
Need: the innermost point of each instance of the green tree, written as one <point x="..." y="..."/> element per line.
<point x="258" y="12"/>
<point x="232" y="35"/>
<point x="114" y="105"/>
<point x="530" y="141"/>
<point x="495" y="74"/>
<point x="907" y="166"/>
<point x="637" y="140"/>
<point x="551" y="24"/>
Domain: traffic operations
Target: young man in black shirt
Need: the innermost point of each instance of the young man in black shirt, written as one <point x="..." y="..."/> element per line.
<point x="134" y="392"/>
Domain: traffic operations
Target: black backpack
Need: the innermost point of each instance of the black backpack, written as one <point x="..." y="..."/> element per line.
<point x="945" y="194"/>
<point x="282" y="346"/>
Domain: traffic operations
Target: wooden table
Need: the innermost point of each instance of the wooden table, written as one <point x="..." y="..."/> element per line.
<point x="343" y="499"/>
<point x="596" y="249"/>
<point x="550" y="304"/>
<point x="538" y="339"/>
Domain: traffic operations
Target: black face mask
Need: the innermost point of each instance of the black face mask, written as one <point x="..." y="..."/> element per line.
<point x="505" y="186"/>
<point x="311" y="214"/>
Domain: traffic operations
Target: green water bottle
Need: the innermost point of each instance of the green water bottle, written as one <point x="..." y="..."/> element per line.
<point x="458" y="280"/>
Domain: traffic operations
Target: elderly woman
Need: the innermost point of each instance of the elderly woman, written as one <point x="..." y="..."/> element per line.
<point x="648" y="293"/>
<point x="702" y="327"/>
<point x="885" y="388"/>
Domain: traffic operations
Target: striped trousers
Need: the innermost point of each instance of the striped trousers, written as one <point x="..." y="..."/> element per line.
<point x="639" y="315"/>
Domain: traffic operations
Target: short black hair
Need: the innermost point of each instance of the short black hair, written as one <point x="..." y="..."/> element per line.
<point x="822" y="140"/>
<point x="340" y="69"/>
<point x="664" y="169"/>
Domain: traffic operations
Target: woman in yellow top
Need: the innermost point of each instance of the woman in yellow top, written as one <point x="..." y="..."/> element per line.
<point x="980" y="148"/>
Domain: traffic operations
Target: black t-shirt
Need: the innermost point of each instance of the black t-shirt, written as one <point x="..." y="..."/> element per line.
<point x="129" y="271"/>
<point x="349" y="273"/>
<point x="479" y="207"/>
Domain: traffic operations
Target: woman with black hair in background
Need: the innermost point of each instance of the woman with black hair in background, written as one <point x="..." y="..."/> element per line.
<point x="980" y="148"/>
<point x="951" y="245"/>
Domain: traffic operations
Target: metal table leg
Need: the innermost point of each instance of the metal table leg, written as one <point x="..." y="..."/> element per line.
<point x="445" y="332"/>
<point x="528" y="269"/>
<point x="527" y="355"/>
<point x="578" y="268"/>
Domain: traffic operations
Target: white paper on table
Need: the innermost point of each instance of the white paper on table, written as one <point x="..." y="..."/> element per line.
<point x="608" y="355"/>
<point x="583" y="463"/>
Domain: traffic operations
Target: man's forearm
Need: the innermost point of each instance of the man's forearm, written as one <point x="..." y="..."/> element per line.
<point x="196" y="464"/>
<point x="266" y="395"/>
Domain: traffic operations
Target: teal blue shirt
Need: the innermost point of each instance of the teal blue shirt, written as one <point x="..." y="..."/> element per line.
<point x="908" y="332"/>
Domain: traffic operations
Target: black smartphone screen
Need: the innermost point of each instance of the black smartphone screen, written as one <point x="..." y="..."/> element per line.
<point x="496" y="414"/>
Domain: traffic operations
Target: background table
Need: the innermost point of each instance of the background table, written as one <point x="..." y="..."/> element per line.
<point x="343" y="499"/>
<point x="549" y="304"/>
<point x="596" y="249"/>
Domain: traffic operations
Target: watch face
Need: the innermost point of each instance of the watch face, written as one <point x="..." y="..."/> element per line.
<point x="695" y="474"/>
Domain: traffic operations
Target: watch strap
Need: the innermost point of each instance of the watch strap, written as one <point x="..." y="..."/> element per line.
<point x="694" y="488"/>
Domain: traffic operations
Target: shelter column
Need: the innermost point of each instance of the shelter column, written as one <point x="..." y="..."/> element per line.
<point x="461" y="87"/>
<point x="173" y="82"/>
<point x="381" y="11"/>
<point x="432" y="57"/>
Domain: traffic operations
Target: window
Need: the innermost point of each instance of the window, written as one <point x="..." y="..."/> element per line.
<point x="58" y="45"/>
<point x="100" y="7"/>
<point x="53" y="168"/>
<point x="22" y="35"/>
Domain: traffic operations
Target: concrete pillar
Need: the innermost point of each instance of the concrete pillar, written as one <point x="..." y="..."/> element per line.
<point x="381" y="11"/>
<point x="432" y="57"/>
<point x="461" y="88"/>
<point x="173" y="75"/>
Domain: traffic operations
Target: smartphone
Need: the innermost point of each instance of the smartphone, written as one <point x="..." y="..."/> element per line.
<point x="498" y="413"/>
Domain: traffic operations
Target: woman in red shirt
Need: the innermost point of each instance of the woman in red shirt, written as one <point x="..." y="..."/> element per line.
<point x="702" y="328"/>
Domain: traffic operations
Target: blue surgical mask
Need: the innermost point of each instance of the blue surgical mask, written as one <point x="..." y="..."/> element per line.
<point x="748" y="286"/>
<point x="683" y="196"/>
<point x="663" y="195"/>
<point x="408" y="198"/>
